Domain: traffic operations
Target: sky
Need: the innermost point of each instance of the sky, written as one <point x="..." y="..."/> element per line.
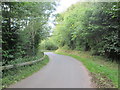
<point x="64" y="4"/>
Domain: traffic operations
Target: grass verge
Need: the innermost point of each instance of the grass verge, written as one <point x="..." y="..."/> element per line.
<point x="104" y="73"/>
<point x="14" y="75"/>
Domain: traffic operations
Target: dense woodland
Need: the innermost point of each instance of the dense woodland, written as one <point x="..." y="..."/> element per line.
<point x="93" y="27"/>
<point x="24" y="25"/>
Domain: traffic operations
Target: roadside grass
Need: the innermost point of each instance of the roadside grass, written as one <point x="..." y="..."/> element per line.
<point x="14" y="75"/>
<point x="104" y="73"/>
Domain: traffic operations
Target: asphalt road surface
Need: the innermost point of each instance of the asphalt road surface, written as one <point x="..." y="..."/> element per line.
<point x="61" y="72"/>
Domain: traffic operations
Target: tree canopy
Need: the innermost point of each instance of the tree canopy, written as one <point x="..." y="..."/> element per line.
<point x="90" y="26"/>
<point x="24" y="25"/>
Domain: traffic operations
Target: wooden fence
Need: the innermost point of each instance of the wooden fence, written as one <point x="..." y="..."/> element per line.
<point x="21" y="64"/>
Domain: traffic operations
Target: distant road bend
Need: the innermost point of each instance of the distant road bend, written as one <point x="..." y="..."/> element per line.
<point x="61" y="72"/>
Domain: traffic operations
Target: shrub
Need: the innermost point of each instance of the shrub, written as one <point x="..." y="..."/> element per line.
<point x="48" y="45"/>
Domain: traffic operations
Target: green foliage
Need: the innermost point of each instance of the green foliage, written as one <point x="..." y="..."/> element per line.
<point x="48" y="45"/>
<point x="24" y="25"/>
<point x="25" y="59"/>
<point x="90" y="27"/>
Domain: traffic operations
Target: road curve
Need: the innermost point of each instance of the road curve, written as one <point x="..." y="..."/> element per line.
<point x="61" y="72"/>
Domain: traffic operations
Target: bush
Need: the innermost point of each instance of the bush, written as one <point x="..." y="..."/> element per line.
<point x="48" y="45"/>
<point x="65" y="47"/>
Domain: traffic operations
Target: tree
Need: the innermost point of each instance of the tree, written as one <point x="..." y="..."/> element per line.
<point x="92" y="29"/>
<point x="22" y="28"/>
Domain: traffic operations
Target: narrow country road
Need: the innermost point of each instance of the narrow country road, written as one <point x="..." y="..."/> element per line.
<point x="61" y="72"/>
